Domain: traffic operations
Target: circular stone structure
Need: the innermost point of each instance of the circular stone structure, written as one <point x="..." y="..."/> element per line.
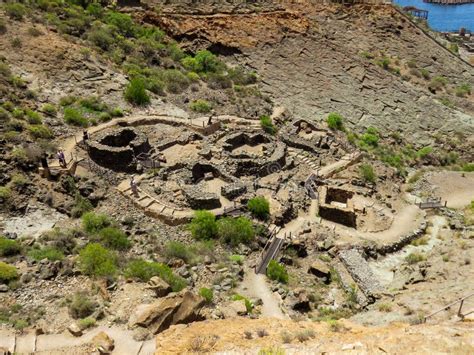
<point x="116" y="149"/>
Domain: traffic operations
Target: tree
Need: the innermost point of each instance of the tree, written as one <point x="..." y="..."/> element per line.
<point x="203" y="225"/>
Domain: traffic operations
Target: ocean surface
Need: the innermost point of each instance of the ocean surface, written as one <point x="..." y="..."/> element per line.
<point x="445" y="17"/>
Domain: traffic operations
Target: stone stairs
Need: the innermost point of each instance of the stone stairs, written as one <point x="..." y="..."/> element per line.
<point x="303" y="157"/>
<point x="155" y="208"/>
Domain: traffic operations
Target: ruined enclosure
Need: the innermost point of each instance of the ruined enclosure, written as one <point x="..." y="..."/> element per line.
<point x="117" y="149"/>
<point x="338" y="195"/>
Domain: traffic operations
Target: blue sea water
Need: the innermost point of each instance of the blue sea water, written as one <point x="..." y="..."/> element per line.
<point x="445" y="17"/>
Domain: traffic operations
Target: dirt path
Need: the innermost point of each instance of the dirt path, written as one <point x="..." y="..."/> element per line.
<point x="59" y="343"/>
<point x="457" y="188"/>
<point x="256" y="286"/>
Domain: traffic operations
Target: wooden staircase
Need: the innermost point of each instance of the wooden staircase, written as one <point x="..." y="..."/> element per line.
<point x="270" y="251"/>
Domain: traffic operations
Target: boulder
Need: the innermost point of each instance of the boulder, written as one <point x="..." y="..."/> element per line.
<point x="158" y="285"/>
<point x="75" y="330"/>
<point x="319" y="269"/>
<point x="234" y="309"/>
<point x="4" y="288"/>
<point x="302" y="303"/>
<point x="181" y="308"/>
<point x="103" y="343"/>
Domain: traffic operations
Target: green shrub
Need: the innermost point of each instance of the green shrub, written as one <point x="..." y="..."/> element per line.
<point x="175" y="81"/>
<point x="81" y="206"/>
<point x="259" y="207"/>
<point x="203" y="225"/>
<point x="238" y="259"/>
<point x="201" y="106"/>
<point x="145" y="270"/>
<point x="7" y="272"/>
<point x="93" y="103"/>
<point x="49" y="253"/>
<point x="19" y="180"/>
<point x="86" y="323"/>
<point x="101" y="38"/>
<point x="469" y="167"/>
<point x="463" y="90"/>
<point x="367" y="173"/>
<point x="81" y="306"/>
<point x="95" y="260"/>
<point x="267" y="124"/>
<point x="277" y="272"/>
<point x="241" y="77"/>
<point x="123" y="22"/>
<point x="5" y="193"/>
<point x="116" y="112"/>
<point x="235" y="230"/>
<point x="414" y="258"/>
<point x="93" y="222"/>
<point x="114" y="238"/>
<point x="425" y="73"/>
<point x="423" y="152"/>
<point x="207" y="294"/>
<point x="67" y="100"/>
<point x="370" y="138"/>
<point x="335" y="121"/>
<point x="49" y="109"/>
<point x="203" y="62"/>
<point x="454" y="48"/>
<point x="33" y="117"/>
<point x="437" y="83"/>
<point x="15" y="10"/>
<point x="40" y="131"/>
<point x="136" y="94"/>
<point x="74" y="117"/>
<point x="9" y="247"/>
<point x="384" y="62"/>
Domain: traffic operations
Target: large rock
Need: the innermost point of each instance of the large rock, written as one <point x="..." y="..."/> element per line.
<point x="75" y="330"/>
<point x="320" y="269"/>
<point x="103" y="342"/>
<point x="181" y="308"/>
<point x="234" y="309"/>
<point x="158" y="285"/>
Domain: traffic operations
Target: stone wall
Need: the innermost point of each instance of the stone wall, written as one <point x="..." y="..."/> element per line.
<point x="338" y="195"/>
<point x="338" y="215"/>
<point x="117" y="149"/>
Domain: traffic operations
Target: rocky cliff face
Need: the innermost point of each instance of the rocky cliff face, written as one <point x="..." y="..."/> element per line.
<point x="368" y="63"/>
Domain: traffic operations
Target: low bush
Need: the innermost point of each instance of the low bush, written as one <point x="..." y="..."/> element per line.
<point x="136" y="94"/>
<point x="180" y="251"/>
<point x="248" y="304"/>
<point x="49" y="253"/>
<point x="201" y="106"/>
<point x="5" y="193"/>
<point x="369" y="139"/>
<point x="9" y="247"/>
<point x="19" y="181"/>
<point x="101" y="38"/>
<point x="203" y="62"/>
<point x="49" y="109"/>
<point x="74" y="117"/>
<point x="367" y="173"/>
<point x="235" y="230"/>
<point x="114" y="238"/>
<point x="95" y="260"/>
<point x="267" y="124"/>
<point x="335" y="121"/>
<point x="424" y="152"/>
<point x="40" y="131"/>
<point x="259" y="207"/>
<point x="277" y="272"/>
<point x="203" y="226"/>
<point x="93" y="222"/>
<point x="414" y="258"/>
<point x="175" y="81"/>
<point x="425" y="73"/>
<point x="33" y="117"/>
<point x="468" y="167"/>
<point x="81" y="306"/>
<point x="145" y="270"/>
<point x="15" y="11"/>
<point x="463" y="90"/>
<point x="86" y="323"/>
<point x="384" y="62"/>
<point x="81" y="206"/>
<point x="7" y="272"/>
<point x="207" y="294"/>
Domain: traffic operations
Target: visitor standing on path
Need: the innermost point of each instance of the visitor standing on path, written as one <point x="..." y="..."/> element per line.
<point x="133" y="186"/>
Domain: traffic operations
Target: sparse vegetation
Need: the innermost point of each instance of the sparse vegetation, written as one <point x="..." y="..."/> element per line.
<point x="414" y="258"/>
<point x="385" y="307"/>
<point x="463" y="90"/>
<point x="93" y="222"/>
<point x="114" y="238"/>
<point x="136" y="94"/>
<point x="74" y="117"/>
<point x="81" y="306"/>
<point x="9" y="247"/>
<point x="367" y="173"/>
<point x="207" y="294"/>
<point x="201" y="106"/>
<point x="50" y="253"/>
<point x="235" y="230"/>
<point x="145" y="270"/>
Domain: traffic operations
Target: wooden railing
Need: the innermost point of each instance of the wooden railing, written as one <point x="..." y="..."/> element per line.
<point x="459" y="314"/>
